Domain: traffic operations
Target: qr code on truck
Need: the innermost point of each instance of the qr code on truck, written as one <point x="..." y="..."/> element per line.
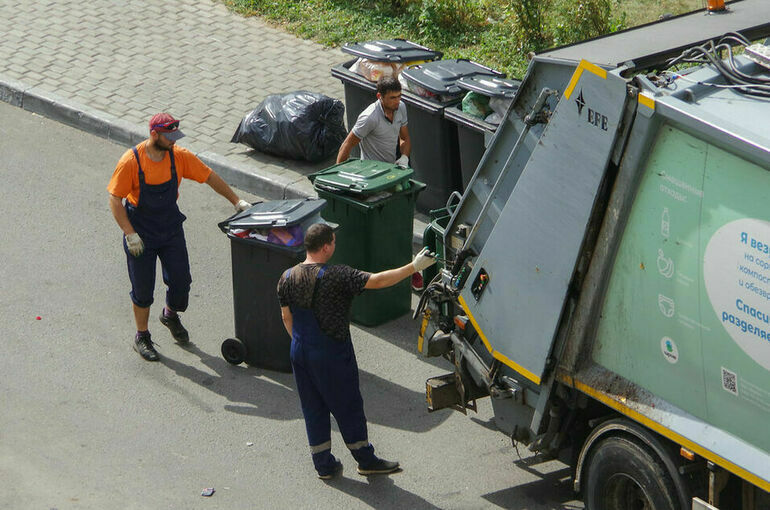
<point x="730" y="381"/>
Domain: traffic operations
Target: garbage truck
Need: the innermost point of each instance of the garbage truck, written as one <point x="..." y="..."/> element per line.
<point x="605" y="276"/>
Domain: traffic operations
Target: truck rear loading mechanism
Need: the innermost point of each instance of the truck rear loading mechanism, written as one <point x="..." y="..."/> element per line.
<point x="606" y="277"/>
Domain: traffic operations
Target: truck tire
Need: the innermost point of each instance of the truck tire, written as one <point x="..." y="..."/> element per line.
<point x="625" y="475"/>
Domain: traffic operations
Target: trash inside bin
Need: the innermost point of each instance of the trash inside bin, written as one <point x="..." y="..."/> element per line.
<point x="373" y="203"/>
<point x="300" y="125"/>
<point x="265" y="240"/>
<point x="435" y="156"/>
<point x="473" y="133"/>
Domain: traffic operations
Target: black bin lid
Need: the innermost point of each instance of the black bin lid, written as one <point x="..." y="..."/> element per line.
<point x="278" y="213"/>
<point x="490" y="86"/>
<point x="391" y="50"/>
<point x="440" y="77"/>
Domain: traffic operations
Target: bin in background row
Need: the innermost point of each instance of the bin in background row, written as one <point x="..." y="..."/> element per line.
<point x="473" y="133"/>
<point x="435" y="154"/>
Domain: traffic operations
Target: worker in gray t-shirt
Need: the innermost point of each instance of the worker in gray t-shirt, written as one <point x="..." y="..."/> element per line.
<point x="381" y="128"/>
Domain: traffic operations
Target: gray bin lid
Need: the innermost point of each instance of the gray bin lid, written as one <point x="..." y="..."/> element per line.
<point x="490" y="86"/>
<point x="391" y="50"/>
<point x="440" y="77"/>
<point x="277" y="213"/>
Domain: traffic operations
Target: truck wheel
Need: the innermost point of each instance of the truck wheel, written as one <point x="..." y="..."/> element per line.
<point x="624" y="475"/>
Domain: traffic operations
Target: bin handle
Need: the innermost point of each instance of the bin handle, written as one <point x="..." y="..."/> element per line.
<point x="455" y="194"/>
<point x="223" y="224"/>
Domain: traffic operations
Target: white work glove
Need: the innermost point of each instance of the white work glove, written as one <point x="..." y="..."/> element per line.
<point x="135" y="244"/>
<point x="403" y="161"/>
<point x="242" y="205"/>
<point x="423" y="260"/>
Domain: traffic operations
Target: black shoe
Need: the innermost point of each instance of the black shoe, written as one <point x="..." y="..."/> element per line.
<point x="175" y="326"/>
<point x="335" y="470"/>
<point x="144" y="346"/>
<point x="378" y="467"/>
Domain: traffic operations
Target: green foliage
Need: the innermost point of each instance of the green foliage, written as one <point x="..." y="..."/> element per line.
<point x="528" y="24"/>
<point x="496" y="33"/>
<point x="577" y="20"/>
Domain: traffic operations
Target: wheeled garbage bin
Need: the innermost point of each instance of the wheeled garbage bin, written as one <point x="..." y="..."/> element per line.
<point x="360" y="92"/>
<point x="265" y="240"/>
<point x="373" y="203"/>
<point x="435" y="155"/>
<point x="474" y="133"/>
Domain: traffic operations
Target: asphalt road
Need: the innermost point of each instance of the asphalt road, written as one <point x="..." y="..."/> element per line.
<point x="86" y="424"/>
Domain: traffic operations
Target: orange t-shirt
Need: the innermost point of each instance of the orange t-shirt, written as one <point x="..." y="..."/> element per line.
<point x="125" y="179"/>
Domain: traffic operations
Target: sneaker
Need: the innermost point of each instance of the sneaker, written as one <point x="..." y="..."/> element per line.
<point x="418" y="284"/>
<point x="336" y="469"/>
<point x="144" y="346"/>
<point x="378" y="467"/>
<point x="175" y="326"/>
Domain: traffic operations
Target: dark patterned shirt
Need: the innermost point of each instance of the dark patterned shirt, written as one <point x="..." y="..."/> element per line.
<point x="336" y="290"/>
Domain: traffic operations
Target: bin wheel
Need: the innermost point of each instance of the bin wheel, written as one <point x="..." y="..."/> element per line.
<point x="233" y="351"/>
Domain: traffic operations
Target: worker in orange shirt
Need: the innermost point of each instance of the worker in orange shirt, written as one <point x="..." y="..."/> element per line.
<point x="143" y="199"/>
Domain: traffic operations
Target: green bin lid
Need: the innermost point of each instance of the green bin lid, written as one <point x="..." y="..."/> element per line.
<point x="361" y="176"/>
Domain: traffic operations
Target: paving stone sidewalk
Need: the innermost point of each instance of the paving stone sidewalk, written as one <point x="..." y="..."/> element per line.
<point x="120" y="62"/>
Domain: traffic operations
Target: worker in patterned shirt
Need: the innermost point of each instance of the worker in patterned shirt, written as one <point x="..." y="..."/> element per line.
<point x="315" y="304"/>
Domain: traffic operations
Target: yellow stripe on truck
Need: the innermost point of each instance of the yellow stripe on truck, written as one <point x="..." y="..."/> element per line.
<point x="646" y="101"/>
<point x="495" y="354"/>
<point x="665" y="432"/>
<point x="584" y="65"/>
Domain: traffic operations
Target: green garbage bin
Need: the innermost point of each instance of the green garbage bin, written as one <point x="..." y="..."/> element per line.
<point x="373" y="203"/>
<point x="433" y="239"/>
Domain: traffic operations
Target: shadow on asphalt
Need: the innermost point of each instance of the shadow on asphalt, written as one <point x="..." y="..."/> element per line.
<point x="551" y="490"/>
<point x="273" y="395"/>
<point x="393" y="333"/>
<point x="380" y="492"/>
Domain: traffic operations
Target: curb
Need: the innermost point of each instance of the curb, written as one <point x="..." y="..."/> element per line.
<point x="104" y="125"/>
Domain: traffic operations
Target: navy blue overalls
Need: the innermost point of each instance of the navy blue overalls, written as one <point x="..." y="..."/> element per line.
<point x="158" y="221"/>
<point x="326" y="373"/>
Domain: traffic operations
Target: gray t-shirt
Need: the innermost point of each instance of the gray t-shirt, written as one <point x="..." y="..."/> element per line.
<point x="379" y="136"/>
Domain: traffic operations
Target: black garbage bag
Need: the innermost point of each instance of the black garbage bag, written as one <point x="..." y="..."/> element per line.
<point x="298" y="125"/>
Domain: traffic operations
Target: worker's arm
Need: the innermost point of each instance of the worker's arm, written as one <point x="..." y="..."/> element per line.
<point x="350" y="141"/>
<point x="404" y="142"/>
<point x="390" y="277"/>
<point x="220" y="186"/>
<point x="288" y="320"/>
<point x="119" y="213"/>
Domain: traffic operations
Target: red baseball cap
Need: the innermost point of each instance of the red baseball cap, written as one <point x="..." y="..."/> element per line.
<point x="166" y="124"/>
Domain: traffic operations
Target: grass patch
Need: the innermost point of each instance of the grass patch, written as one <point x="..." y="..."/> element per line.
<point x="496" y="33"/>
